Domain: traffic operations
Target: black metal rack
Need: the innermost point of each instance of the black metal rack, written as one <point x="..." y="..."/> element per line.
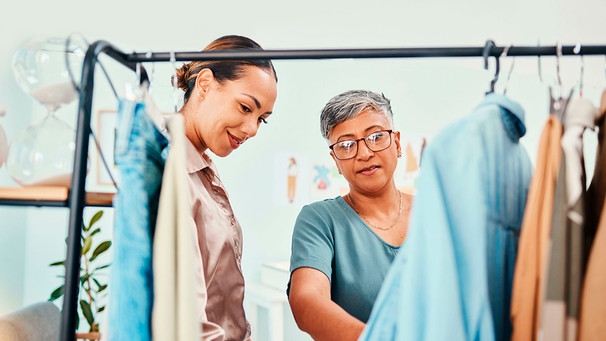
<point x="76" y="201"/>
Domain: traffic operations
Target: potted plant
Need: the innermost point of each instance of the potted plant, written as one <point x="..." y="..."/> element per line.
<point x="93" y="278"/>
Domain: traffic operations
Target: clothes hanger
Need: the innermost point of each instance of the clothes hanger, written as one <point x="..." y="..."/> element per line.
<point x="577" y="50"/>
<point x="174" y="81"/>
<point x="135" y="90"/>
<point x="148" y="55"/>
<point x="513" y="59"/>
<point x="557" y="106"/>
<point x="175" y="84"/>
<point x="581" y="112"/>
<point x="488" y="46"/>
<point x="587" y="106"/>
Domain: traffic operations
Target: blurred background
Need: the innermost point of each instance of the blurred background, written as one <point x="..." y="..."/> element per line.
<point x="426" y="94"/>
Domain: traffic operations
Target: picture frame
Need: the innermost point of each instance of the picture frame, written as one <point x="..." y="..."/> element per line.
<point x="104" y="173"/>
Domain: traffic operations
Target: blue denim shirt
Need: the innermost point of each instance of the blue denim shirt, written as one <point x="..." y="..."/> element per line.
<point x="140" y="154"/>
<point x="452" y="280"/>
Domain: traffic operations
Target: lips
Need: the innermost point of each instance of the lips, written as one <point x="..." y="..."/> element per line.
<point x="234" y="141"/>
<point x="369" y="169"/>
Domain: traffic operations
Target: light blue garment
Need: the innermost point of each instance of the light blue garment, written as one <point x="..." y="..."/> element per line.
<point x="140" y="154"/>
<point x="331" y="237"/>
<point x="453" y="279"/>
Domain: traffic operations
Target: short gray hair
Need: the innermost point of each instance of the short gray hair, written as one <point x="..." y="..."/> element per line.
<point x="350" y="104"/>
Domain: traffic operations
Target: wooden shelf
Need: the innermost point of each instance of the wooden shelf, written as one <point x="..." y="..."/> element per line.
<point x="49" y="196"/>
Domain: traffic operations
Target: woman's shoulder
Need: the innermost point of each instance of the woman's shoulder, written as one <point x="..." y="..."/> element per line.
<point x="325" y="204"/>
<point x="327" y="210"/>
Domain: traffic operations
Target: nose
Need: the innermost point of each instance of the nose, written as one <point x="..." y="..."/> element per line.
<point x="250" y="128"/>
<point x="363" y="151"/>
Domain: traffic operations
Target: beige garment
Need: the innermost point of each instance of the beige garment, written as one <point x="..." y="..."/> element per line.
<point x="560" y="308"/>
<point x="174" y="313"/>
<point x="219" y="252"/>
<point x="528" y="280"/>
<point x="592" y="325"/>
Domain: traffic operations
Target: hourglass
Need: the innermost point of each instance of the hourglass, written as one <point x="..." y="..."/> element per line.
<point x="3" y="140"/>
<point x="43" y="153"/>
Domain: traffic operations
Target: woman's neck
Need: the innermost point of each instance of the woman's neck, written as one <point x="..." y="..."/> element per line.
<point x="191" y="131"/>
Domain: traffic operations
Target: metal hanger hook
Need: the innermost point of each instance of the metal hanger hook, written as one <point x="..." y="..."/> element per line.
<point x="485" y="54"/>
<point x="577" y="50"/>
<point x="558" y="55"/>
<point x="174" y="80"/>
<point x="513" y="59"/>
<point x="148" y="55"/>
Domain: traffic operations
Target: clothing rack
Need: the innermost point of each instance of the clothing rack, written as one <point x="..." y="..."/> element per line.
<point x="83" y="130"/>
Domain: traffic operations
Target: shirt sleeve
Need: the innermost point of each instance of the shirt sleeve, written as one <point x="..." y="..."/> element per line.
<point x="312" y="242"/>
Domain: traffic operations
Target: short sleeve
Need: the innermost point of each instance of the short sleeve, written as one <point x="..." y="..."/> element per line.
<point x="312" y="241"/>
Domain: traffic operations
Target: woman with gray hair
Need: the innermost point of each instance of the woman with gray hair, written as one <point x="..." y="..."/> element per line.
<point x="342" y="247"/>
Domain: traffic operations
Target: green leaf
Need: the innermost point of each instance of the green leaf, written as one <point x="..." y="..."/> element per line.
<point x="57" y="263"/>
<point x="101" y="309"/>
<point x="87" y="312"/>
<point x="95" y="218"/>
<point x="88" y="242"/>
<point x="102" y="287"/>
<point x="100" y="249"/>
<point x="84" y="278"/>
<point x="102" y="267"/>
<point x="56" y="293"/>
<point x="97" y="230"/>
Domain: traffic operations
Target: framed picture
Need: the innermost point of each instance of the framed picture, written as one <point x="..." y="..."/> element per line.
<point x="104" y="173"/>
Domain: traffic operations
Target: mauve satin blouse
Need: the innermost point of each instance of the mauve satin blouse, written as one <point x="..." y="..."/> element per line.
<point x="219" y="273"/>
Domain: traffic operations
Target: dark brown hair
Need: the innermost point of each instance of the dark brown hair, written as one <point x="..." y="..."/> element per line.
<point x="222" y="69"/>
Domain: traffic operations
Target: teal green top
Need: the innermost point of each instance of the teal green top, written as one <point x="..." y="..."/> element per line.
<point x="330" y="236"/>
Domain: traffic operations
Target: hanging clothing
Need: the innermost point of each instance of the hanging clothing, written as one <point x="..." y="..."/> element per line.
<point x="565" y="253"/>
<point x="330" y="236"/>
<point x="530" y="268"/>
<point x="593" y="304"/>
<point x="174" y="315"/>
<point x="452" y="279"/>
<point x="218" y="252"/>
<point x="140" y="154"/>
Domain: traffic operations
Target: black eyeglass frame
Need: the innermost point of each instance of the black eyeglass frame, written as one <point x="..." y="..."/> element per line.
<point x="357" y="141"/>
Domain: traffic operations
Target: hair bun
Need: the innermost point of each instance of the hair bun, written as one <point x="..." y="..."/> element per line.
<point x="182" y="74"/>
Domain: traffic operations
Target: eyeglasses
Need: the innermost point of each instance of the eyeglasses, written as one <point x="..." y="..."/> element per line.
<point x="347" y="149"/>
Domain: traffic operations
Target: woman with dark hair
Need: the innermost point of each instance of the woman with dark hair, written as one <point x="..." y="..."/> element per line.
<point x="225" y="102"/>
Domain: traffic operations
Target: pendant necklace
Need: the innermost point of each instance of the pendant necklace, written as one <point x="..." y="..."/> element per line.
<point x="369" y="222"/>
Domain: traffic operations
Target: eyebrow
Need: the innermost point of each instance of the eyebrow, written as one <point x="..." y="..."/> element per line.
<point x="257" y="103"/>
<point x="371" y="128"/>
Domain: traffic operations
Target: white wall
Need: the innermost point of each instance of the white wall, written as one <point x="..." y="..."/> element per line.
<point x="426" y="94"/>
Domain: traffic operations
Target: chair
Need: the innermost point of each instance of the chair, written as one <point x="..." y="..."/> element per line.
<point x="37" y="322"/>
